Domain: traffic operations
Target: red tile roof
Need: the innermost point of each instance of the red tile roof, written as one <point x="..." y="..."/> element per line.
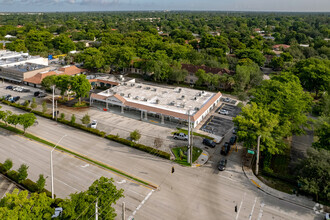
<point x="96" y="96"/>
<point x="103" y="81"/>
<point x="281" y="45"/>
<point x="71" y="70"/>
<point x="37" y="79"/>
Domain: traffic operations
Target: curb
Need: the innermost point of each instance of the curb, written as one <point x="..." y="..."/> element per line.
<point x="259" y="187"/>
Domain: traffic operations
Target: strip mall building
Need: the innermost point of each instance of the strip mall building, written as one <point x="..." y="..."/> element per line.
<point x="162" y="103"/>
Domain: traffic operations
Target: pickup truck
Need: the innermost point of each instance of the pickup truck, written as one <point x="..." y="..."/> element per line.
<point x="180" y="136"/>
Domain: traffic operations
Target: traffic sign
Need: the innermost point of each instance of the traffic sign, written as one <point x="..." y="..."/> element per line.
<point x="251" y="151"/>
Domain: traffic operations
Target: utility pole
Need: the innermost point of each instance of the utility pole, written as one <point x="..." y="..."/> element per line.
<point x="96" y="211"/>
<point x="53" y="100"/>
<point x="123" y="211"/>
<point x="56" y="110"/>
<point x="192" y="144"/>
<point x="189" y="145"/>
<point x="257" y="162"/>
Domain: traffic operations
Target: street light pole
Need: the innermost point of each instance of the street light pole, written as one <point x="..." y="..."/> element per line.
<point x="53" y="99"/>
<point x="257" y="161"/>
<point x="189" y="145"/>
<point x="51" y="165"/>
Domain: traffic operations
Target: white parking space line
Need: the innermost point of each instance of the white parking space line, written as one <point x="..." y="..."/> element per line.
<point x="254" y="204"/>
<point x="240" y="206"/>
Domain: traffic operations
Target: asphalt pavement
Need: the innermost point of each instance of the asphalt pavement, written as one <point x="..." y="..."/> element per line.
<point x="188" y="193"/>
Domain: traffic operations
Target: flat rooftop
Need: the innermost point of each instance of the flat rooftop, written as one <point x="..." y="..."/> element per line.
<point x="11" y="57"/>
<point x="27" y="67"/>
<point x="178" y="100"/>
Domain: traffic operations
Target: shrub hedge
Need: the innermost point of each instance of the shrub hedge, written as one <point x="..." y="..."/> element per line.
<point x="95" y="131"/>
<point x="27" y="184"/>
<point x="139" y="146"/>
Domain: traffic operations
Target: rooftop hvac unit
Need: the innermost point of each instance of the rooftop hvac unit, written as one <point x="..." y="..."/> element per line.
<point x="157" y="101"/>
<point x="139" y="86"/>
<point x="147" y="88"/>
<point x="200" y="94"/>
<point x="154" y="89"/>
<point x="145" y="99"/>
<point x="195" y="98"/>
<point x="132" y="84"/>
<point x="122" y="94"/>
<point x="179" y="90"/>
<point x="182" y="97"/>
<point x="125" y="84"/>
<point x="172" y="103"/>
<point x="129" y="95"/>
<point x="196" y="108"/>
<point x="136" y="97"/>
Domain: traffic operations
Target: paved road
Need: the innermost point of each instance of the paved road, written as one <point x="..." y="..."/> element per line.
<point x="70" y="174"/>
<point x="199" y="193"/>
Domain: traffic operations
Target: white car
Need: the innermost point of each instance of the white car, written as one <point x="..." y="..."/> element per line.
<point x="223" y="112"/>
<point x="94" y="124"/>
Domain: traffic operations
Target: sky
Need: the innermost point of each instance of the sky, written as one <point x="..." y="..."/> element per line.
<point x="133" y="5"/>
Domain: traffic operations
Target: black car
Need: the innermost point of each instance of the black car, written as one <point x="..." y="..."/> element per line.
<point x="225" y="149"/>
<point x="15" y="99"/>
<point x="25" y="90"/>
<point x="209" y="142"/>
<point x="233" y="140"/>
<point x="9" y="87"/>
<point x="36" y="93"/>
<point x="222" y="165"/>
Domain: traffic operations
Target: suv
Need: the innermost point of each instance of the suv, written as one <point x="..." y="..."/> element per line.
<point x="209" y="142"/>
<point x="233" y="140"/>
<point x="180" y="136"/>
<point x="94" y="124"/>
<point x="225" y="149"/>
<point x="9" y="87"/>
<point x="226" y="99"/>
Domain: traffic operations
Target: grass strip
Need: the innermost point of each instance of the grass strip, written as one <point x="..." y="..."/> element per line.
<point x="181" y="130"/>
<point x="181" y="157"/>
<point x="35" y="138"/>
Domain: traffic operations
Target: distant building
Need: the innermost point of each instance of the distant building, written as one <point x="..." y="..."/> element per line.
<point x="279" y="47"/>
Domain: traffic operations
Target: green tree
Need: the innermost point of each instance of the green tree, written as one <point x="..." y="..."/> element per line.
<point x="64" y="43"/>
<point x="34" y="103"/>
<point x="48" y="81"/>
<point x="7" y="165"/>
<point x="22" y="173"/>
<point x="41" y="182"/>
<point x="283" y="95"/>
<point x="79" y="203"/>
<point x="135" y="135"/>
<point x="177" y="74"/>
<point x="86" y="119"/>
<point x="277" y="63"/>
<point x="44" y="107"/>
<point x="81" y="86"/>
<point x="252" y="54"/>
<point x="73" y="119"/>
<point x="4" y="116"/>
<point x="13" y="119"/>
<point x="92" y="58"/>
<point x="314" y="74"/>
<point x="22" y="205"/>
<point x="323" y="133"/>
<point x="255" y="120"/>
<point x="62" y="116"/>
<point x="26" y="120"/>
<point x="314" y="173"/>
<point x="62" y="82"/>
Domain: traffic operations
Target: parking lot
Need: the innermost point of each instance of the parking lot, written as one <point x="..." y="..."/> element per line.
<point x="217" y="125"/>
<point x="233" y="110"/>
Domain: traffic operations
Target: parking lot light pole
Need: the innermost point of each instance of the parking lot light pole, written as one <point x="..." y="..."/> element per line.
<point x="189" y="145"/>
<point x="257" y="161"/>
<point x="51" y="165"/>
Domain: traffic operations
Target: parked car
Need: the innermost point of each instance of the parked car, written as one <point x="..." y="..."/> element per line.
<point x="227" y="99"/>
<point x="36" y="93"/>
<point x="222" y="164"/>
<point x="9" y="87"/>
<point x="25" y="90"/>
<point x="14" y="99"/>
<point x="209" y="142"/>
<point x="225" y="149"/>
<point x="58" y="212"/>
<point x="180" y="136"/>
<point x="7" y="97"/>
<point x="41" y="95"/>
<point x="223" y="112"/>
<point x="94" y="124"/>
<point x="327" y="216"/>
<point x="233" y="140"/>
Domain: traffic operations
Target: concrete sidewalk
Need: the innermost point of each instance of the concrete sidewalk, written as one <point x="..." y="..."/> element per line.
<point x="298" y="200"/>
